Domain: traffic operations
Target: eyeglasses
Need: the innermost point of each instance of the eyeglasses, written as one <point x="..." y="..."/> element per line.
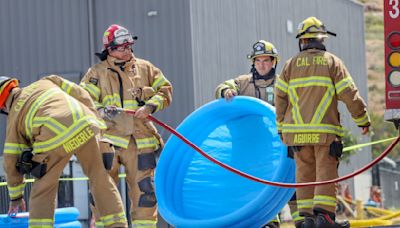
<point x="122" y="48"/>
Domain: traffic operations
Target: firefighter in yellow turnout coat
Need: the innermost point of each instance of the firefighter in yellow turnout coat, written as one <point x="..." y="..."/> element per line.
<point x="307" y="95"/>
<point x="123" y="80"/>
<point x="260" y="83"/>
<point x="48" y="122"/>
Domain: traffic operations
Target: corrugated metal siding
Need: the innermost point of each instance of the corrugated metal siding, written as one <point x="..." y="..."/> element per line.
<point x="219" y="47"/>
<point x="42" y="37"/>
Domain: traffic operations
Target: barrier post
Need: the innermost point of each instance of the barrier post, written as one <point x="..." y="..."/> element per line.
<point x="359" y="210"/>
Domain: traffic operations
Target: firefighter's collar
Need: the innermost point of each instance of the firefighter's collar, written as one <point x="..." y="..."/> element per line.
<point x="314" y="45"/>
<point x="122" y="65"/>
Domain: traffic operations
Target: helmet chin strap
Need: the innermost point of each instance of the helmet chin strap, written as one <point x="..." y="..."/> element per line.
<point x="300" y="49"/>
<point x="3" y="112"/>
<point x="312" y="44"/>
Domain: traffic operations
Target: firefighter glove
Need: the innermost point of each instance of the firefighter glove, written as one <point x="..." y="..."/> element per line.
<point x="229" y="94"/>
<point x="336" y="149"/>
<point x="15" y="205"/>
<point x="108" y="113"/>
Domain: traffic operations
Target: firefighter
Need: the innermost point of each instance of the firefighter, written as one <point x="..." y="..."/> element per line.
<point x="122" y="80"/>
<point x="308" y="90"/>
<point x="48" y="122"/>
<point x="260" y="83"/>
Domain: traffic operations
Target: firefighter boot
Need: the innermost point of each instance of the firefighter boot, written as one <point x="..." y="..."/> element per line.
<point x="309" y="222"/>
<point x="326" y="219"/>
<point x="272" y="225"/>
<point x="299" y="224"/>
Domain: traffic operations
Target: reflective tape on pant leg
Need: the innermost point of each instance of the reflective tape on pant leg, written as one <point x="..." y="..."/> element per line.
<point x="296" y="216"/>
<point x="144" y="223"/>
<point x="146" y="185"/>
<point x="146" y="161"/>
<point x="112" y="219"/>
<point x="147" y="200"/>
<point x="325" y="200"/>
<point x="41" y="223"/>
<point x="99" y="224"/>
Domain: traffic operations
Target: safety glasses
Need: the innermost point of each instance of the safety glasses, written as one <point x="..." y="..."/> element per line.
<point x="122" y="48"/>
<point x="124" y="39"/>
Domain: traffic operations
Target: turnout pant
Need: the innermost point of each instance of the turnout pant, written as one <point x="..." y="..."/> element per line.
<point x="139" y="167"/>
<point x="105" y="193"/>
<point x="294" y="211"/>
<point x="314" y="163"/>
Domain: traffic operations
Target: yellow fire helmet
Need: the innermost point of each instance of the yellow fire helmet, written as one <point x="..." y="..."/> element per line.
<point x="312" y="28"/>
<point x="263" y="48"/>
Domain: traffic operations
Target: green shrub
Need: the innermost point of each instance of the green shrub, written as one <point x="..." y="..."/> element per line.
<point x="381" y="129"/>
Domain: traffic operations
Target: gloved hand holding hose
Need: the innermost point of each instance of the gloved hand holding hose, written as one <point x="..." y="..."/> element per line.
<point x="109" y="112"/>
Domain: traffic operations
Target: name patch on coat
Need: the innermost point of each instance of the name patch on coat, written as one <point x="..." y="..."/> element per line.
<point x="78" y="140"/>
<point x="306" y="138"/>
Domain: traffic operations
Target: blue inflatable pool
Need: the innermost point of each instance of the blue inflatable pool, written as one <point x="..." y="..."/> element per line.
<point x="194" y="192"/>
<point x="64" y="217"/>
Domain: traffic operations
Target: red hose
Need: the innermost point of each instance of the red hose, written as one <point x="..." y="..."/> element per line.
<point x="278" y="184"/>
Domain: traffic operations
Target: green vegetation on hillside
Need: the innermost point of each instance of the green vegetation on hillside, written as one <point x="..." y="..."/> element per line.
<point x="373" y="26"/>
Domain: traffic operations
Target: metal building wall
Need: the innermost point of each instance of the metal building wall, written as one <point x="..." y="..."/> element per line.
<point x="40" y="38"/>
<point x="223" y="32"/>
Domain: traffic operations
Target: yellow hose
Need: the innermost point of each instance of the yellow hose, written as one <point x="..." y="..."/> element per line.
<point x="381" y="221"/>
<point x="374" y="214"/>
<point x="370" y="222"/>
<point x="393" y="215"/>
<point x="379" y="210"/>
